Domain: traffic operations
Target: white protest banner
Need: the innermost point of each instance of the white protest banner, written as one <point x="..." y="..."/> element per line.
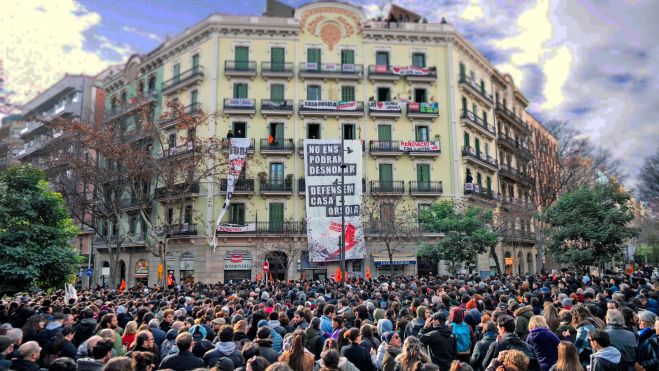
<point x="410" y="70"/>
<point x="384" y="106"/>
<point x="319" y="104"/>
<point x="236" y="228"/>
<point x="322" y="164"/>
<point x="240" y="102"/>
<point x="421" y="146"/>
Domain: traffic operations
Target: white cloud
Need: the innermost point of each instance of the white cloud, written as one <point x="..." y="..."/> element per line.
<point x="473" y="11"/>
<point x="148" y="35"/>
<point x="43" y="40"/>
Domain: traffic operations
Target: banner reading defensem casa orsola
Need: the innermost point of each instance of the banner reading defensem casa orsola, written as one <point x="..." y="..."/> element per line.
<point x="322" y="165"/>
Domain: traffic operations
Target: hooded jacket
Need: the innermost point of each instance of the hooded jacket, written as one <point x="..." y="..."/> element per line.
<point x="314" y="341"/>
<point x="545" y="346"/>
<point x="277" y="340"/>
<point x="226" y="349"/>
<point x="511" y="341"/>
<point x="276" y="325"/>
<point x="441" y="344"/>
<point x="606" y="359"/>
<point x="522" y="317"/>
<point x="84" y="330"/>
<point x="480" y="350"/>
<point x="266" y="351"/>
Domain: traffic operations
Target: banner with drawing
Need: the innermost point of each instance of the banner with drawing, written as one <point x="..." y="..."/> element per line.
<point x="322" y="167"/>
<point x="237" y="156"/>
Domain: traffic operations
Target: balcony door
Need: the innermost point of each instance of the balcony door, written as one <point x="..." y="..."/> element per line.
<point x="423" y="176"/>
<point x="277" y="174"/>
<point x="422" y="133"/>
<point x="277" y="134"/>
<point x="347" y="57"/>
<point x="382" y="59"/>
<point x="195" y="63"/>
<point x="277" y="59"/>
<point x="276" y="217"/>
<point x="277" y="92"/>
<point x="237" y="213"/>
<point x="313" y="56"/>
<point x="242" y="57"/>
<point x="384" y="137"/>
<point x="386" y="176"/>
<point x="239" y="90"/>
<point x="419" y="60"/>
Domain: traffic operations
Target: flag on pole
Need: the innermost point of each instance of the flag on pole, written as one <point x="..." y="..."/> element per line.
<point x="70" y="292"/>
<point x="338" y="277"/>
<point x="122" y="287"/>
<point x="271" y="277"/>
<point x="368" y="273"/>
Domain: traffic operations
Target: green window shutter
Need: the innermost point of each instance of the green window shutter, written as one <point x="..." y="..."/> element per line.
<point x="347" y="93"/>
<point x="474" y="109"/>
<point x="479" y="179"/>
<point x="242" y="57"/>
<point x="384" y="132"/>
<point x="464" y="107"/>
<point x="463" y="72"/>
<point x="177" y="72"/>
<point x="382" y="58"/>
<point x="488" y="181"/>
<point x="313" y="56"/>
<point x="277" y="172"/>
<point x="422" y="133"/>
<point x="239" y="90"/>
<point x="478" y="147"/>
<point x="193" y="98"/>
<point x="482" y="86"/>
<point x="277" y="92"/>
<point x="423" y="173"/>
<point x="347" y="57"/>
<point x="485" y="117"/>
<point x="277" y="59"/>
<point x="276" y="216"/>
<point x="195" y="63"/>
<point x="419" y="60"/>
<point x="386" y="173"/>
<point x="237" y="214"/>
<point x="279" y="132"/>
<point x="467" y="142"/>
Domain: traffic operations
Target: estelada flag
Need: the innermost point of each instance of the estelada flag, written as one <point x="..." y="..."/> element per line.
<point x="122" y="287"/>
<point x="271" y="277"/>
<point x="338" y="277"/>
<point x="368" y="273"/>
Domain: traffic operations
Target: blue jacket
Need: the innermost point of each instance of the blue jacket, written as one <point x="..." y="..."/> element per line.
<point x="326" y="326"/>
<point x="545" y="346"/>
<point x="277" y="340"/>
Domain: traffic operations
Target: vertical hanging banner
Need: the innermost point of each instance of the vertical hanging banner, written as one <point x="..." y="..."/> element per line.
<point x="322" y="168"/>
<point x="237" y="156"/>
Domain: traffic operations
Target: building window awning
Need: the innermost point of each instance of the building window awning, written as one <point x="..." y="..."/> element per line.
<point x="380" y="259"/>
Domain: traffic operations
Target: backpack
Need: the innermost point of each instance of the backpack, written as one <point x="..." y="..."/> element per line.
<point x="462" y="334"/>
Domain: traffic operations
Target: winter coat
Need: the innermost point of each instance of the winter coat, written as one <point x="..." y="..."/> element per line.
<point x="414" y="327"/>
<point x="441" y="345"/>
<point x="182" y="361"/>
<point x="24" y="365"/>
<point x="83" y="330"/>
<point x="480" y="350"/>
<point x="200" y="348"/>
<point x="359" y="356"/>
<point x="307" y="360"/>
<point x="277" y="340"/>
<point x="582" y="343"/>
<point x="326" y="326"/>
<point x="511" y="341"/>
<point x="266" y="351"/>
<point x="472" y="317"/>
<point x="158" y="335"/>
<point x="314" y="341"/>
<point x="606" y="359"/>
<point x="369" y="344"/>
<point x="227" y="349"/>
<point x="344" y="365"/>
<point x="626" y="342"/>
<point x="646" y="355"/>
<point x="522" y="317"/>
<point x="545" y="346"/>
<point x="389" y="360"/>
<point x="275" y="325"/>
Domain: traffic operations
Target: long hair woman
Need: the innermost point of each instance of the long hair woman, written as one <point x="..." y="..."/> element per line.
<point x="551" y="316"/>
<point x="298" y="358"/>
<point x="31" y="329"/>
<point x="129" y="334"/>
<point x="568" y="358"/>
<point x="412" y="352"/>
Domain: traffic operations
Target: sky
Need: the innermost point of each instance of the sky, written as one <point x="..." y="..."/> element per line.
<point x="592" y="63"/>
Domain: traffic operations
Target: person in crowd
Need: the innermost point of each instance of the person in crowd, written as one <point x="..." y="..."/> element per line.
<point x="264" y="341"/>
<point x="314" y="337"/>
<point x="482" y="346"/>
<point x="369" y="341"/>
<point x="621" y="338"/>
<point x="355" y="353"/>
<point x="581" y="320"/>
<point x="462" y="333"/>
<point x="568" y="358"/>
<point x="298" y="358"/>
<point x="143" y="361"/>
<point x="543" y="341"/>
<point x="604" y="357"/>
<point x="507" y="340"/>
<point x="523" y="315"/>
<point x="224" y="348"/>
<point x="33" y="327"/>
<point x="128" y="336"/>
<point x="184" y="359"/>
<point x="439" y="339"/>
<point x="392" y="348"/>
<point x="299" y="320"/>
<point x="118" y="364"/>
<point x="412" y="353"/>
<point x="29" y="354"/>
<point x="414" y="326"/>
<point x="344" y="364"/>
<point x="145" y="342"/>
<point x="647" y="341"/>
<point x="62" y="364"/>
<point x="101" y="352"/>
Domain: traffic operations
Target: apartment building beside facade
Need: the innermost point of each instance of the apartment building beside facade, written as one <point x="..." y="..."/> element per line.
<point x="329" y="73"/>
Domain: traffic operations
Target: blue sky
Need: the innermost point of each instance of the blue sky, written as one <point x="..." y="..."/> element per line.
<point x="593" y="63"/>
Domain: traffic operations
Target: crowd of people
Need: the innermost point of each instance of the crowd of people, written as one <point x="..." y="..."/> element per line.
<point x="549" y="322"/>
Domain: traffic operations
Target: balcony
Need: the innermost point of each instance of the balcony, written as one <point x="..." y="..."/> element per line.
<point x="421" y="148"/>
<point x="479" y="192"/>
<point x="510" y="117"/>
<point x="177" y="152"/>
<point x="526" y="179"/>
<point x="239" y="106"/>
<point x="135" y="103"/>
<point x="240" y="187"/>
<point x="474" y="90"/>
<point x="516" y="145"/>
<point x="415" y="74"/>
<point x="280" y="227"/>
<point x="382" y="109"/>
<point x="276" y="187"/>
<point x="468" y="118"/>
<point x="301" y="187"/>
<point x="277" y="147"/>
<point x="277" y="70"/>
<point x="177" y="191"/>
<point x="183" y="229"/>
<point x="381" y="72"/>
<point x="325" y="108"/>
<point x="331" y="71"/>
<point x="173" y="118"/>
<point x="425" y="189"/>
<point x="184" y="80"/>
<point x="388" y="187"/>
<point x="225" y="144"/>
<point x="519" y="202"/>
<point x="384" y="148"/>
<point x="239" y="69"/>
<point x="519" y="236"/>
<point x="422" y="110"/>
<point x="276" y="108"/>
<point x="509" y="172"/>
<point x="479" y="158"/>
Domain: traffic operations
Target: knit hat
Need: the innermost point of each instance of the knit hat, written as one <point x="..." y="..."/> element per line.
<point x="421" y="311"/>
<point x="219" y="321"/>
<point x="384" y="326"/>
<point x="471" y="304"/>
<point x="121" y="309"/>
<point x="646" y="316"/>
<point x="378" y="314"/>
<point x="5" y="342"/>
<point x="198" y="332"/>
<point x="388" y="336"/>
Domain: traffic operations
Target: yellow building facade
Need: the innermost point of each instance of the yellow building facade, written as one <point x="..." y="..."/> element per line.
<point x="385" y="83"/>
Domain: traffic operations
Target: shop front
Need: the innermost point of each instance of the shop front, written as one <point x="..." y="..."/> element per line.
<point x="186" y="268"/>
<point x="142" y="272"/>
<point x="403" y="263"/>
<point x="237" y="266"/>
<point x="310" y="270"/>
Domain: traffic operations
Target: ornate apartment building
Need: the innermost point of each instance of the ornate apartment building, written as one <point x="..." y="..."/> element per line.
<point x="325" y="73"/>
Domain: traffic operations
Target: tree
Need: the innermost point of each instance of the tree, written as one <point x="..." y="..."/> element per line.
<point x="649" y="178"/>
<point x="466" y="233"/>
<point x="648" y="241"/>
<point x="35" y="233"/>
<point x="589" y="225"/>
<point x="391" y="221"/>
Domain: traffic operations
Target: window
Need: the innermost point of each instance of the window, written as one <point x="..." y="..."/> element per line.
<point x="485" y="117"/>
<point x="384" y="132"/>
<point x="384" y="94"/>
<point x="132" y="225"/>
<point x="479" y="179"/>
<point x="313" y="92"/>
<point x="382" y="58"/>
<point x="123" y="97"/>
<point x="195" y="63"/>
<point x="463" y="72"/>
<point x="347" y="56"/>
<point x="277" y="173"/>
<point x="313" y="131"/>
<point x="356" y="265"/>
<point x="177" y="72"/>
<point x="482" y="87"/>
<point x="239" y="130"/>
<point x="422" y="133"/>
<point x="386" y="173"/>
<point x="277" y="59"/>
<point x="313" y="56"/>
<point x="239" y="90"/>
<point x="170" y="216"/>
<point x="348" y="131"/>
<point x="474" y="109"/>
<point x="464" y="107"/>
<point x="467" y="142"/>
<point x="277" y="133"/>
<point x="187" y="215"/>
<point x="478" y="147"/>
<point x="487" y="148"/>
<point x="241" y="57"/>
<point x="420" y="95"/>
<point x="472" y="76"/>
<point x="488" y="182"/>
<point x="423" y="175"/>
<point x="237" y="214"/>
<point x="194" y="96"/>
<point x="277" y="92"/>
<point x="423" y="208"/>
<point x="276" y="214"/>
<point x="152" y="84"/>
<point x="347" y="93"/>
<point x="418" y="59"/>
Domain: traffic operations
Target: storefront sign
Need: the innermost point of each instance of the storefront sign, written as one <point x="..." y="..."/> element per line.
<point x="410" y="70"/>
<point x="240" y="102"/>
<point x="384" y="106"/>
<point x="237" y="157"/>
<point x="322" y="164"/>
<point x="330" y="105"/>
<point x="410" y="146"/>
<point x="398" y="259"/>
<point x="141" y="268"/>
<point x="237" y="261"/>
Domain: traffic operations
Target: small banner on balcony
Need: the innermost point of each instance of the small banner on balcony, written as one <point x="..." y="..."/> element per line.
<point x="432" y="107"/>
<point x="384" y="106"/>
<point x="240" y="102"/>
<point x="411" y="146"/>
<point x="237" y="156"/>
<point x="236" y="228"/>
<point x="410" y="70"/>
<point x="322" y="164"/>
